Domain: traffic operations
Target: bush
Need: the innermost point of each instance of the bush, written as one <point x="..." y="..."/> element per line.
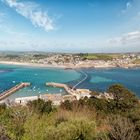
<point x="72" y="130"/>
<point x="3" y="135"/>
<point x="122" y="129"/>
<point x="66" y="105"/>
<point x="40" y="106"/>
<point x="124" y="98"/>
<point x="121" y="93"/>
<point x="64" y="125"/>
<point x="2" y="108"/>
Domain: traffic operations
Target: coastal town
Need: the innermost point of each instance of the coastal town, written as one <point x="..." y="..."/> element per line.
<point x="126" y="60"/>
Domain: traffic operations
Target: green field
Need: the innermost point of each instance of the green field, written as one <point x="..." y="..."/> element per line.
<point x="98" y="56"/>
<point x="137" y="61"/>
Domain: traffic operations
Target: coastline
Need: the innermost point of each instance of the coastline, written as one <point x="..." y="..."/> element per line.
<point x="31" y="64"/>
<point x="70" y="66"/>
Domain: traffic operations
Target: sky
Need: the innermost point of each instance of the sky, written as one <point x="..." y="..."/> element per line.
<point x="83" y="26"/>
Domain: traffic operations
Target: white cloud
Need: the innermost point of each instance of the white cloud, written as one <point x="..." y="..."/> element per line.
<point x="32" y="12"/>
<point x="127" y="7"/>
<point x="129" y="39"/>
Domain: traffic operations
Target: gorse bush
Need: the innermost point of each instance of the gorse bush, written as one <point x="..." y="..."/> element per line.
<point x="73" y="129"/>
<point x="40" y="106"/>
<point x="64" y="125"/>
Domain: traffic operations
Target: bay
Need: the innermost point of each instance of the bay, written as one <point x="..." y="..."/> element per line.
<point x="98" y="79"/>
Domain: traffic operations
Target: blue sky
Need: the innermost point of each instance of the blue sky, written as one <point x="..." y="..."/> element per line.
<point x="70" y="25"/>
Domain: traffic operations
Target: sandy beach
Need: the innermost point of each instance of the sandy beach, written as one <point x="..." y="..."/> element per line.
<point x="31" y="64"/>
<point x="68" y="66"/>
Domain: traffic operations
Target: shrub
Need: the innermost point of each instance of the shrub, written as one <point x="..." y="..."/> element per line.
<point x="121" y="128"/>
<point x="124" y="98"/>
<point x="40" y="106"/>
<point x="66" y="105"/>
<point x="2" y="108"/>
<point x="3" y="135"/>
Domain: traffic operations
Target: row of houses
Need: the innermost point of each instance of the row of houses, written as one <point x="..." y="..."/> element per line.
<point x="56" y="99"/>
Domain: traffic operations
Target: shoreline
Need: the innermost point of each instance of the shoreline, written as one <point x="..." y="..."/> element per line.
<point x="65" y="66"/>
<point x="30" y="64"/>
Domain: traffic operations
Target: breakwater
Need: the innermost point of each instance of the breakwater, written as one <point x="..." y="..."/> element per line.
<point x="13" y="90"/>
<point x="64" y="86"/>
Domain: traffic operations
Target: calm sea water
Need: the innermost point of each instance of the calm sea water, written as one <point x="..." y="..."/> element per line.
<point x="98" y="79"/>
<point x="101" y="79"/>
<point x="11" y="75"/>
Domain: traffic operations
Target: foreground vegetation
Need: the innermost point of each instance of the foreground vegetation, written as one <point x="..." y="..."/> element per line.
<point x="86" y="119"/>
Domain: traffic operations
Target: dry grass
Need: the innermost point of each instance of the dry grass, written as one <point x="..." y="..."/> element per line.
<point x="121" y="128"/>
<point x="76" y="113"/>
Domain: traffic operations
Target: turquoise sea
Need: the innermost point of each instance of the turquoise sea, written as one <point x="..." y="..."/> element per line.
<point x="98" y="79"/>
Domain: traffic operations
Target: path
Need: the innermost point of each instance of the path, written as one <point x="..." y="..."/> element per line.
<point x="81" y="81"/>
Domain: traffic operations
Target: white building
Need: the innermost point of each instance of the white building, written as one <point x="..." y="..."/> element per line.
<point x="81" y="93"/>
<point x="25" y="100"/>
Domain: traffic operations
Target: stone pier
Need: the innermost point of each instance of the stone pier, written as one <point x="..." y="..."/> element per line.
<point x="13" y="90"/>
